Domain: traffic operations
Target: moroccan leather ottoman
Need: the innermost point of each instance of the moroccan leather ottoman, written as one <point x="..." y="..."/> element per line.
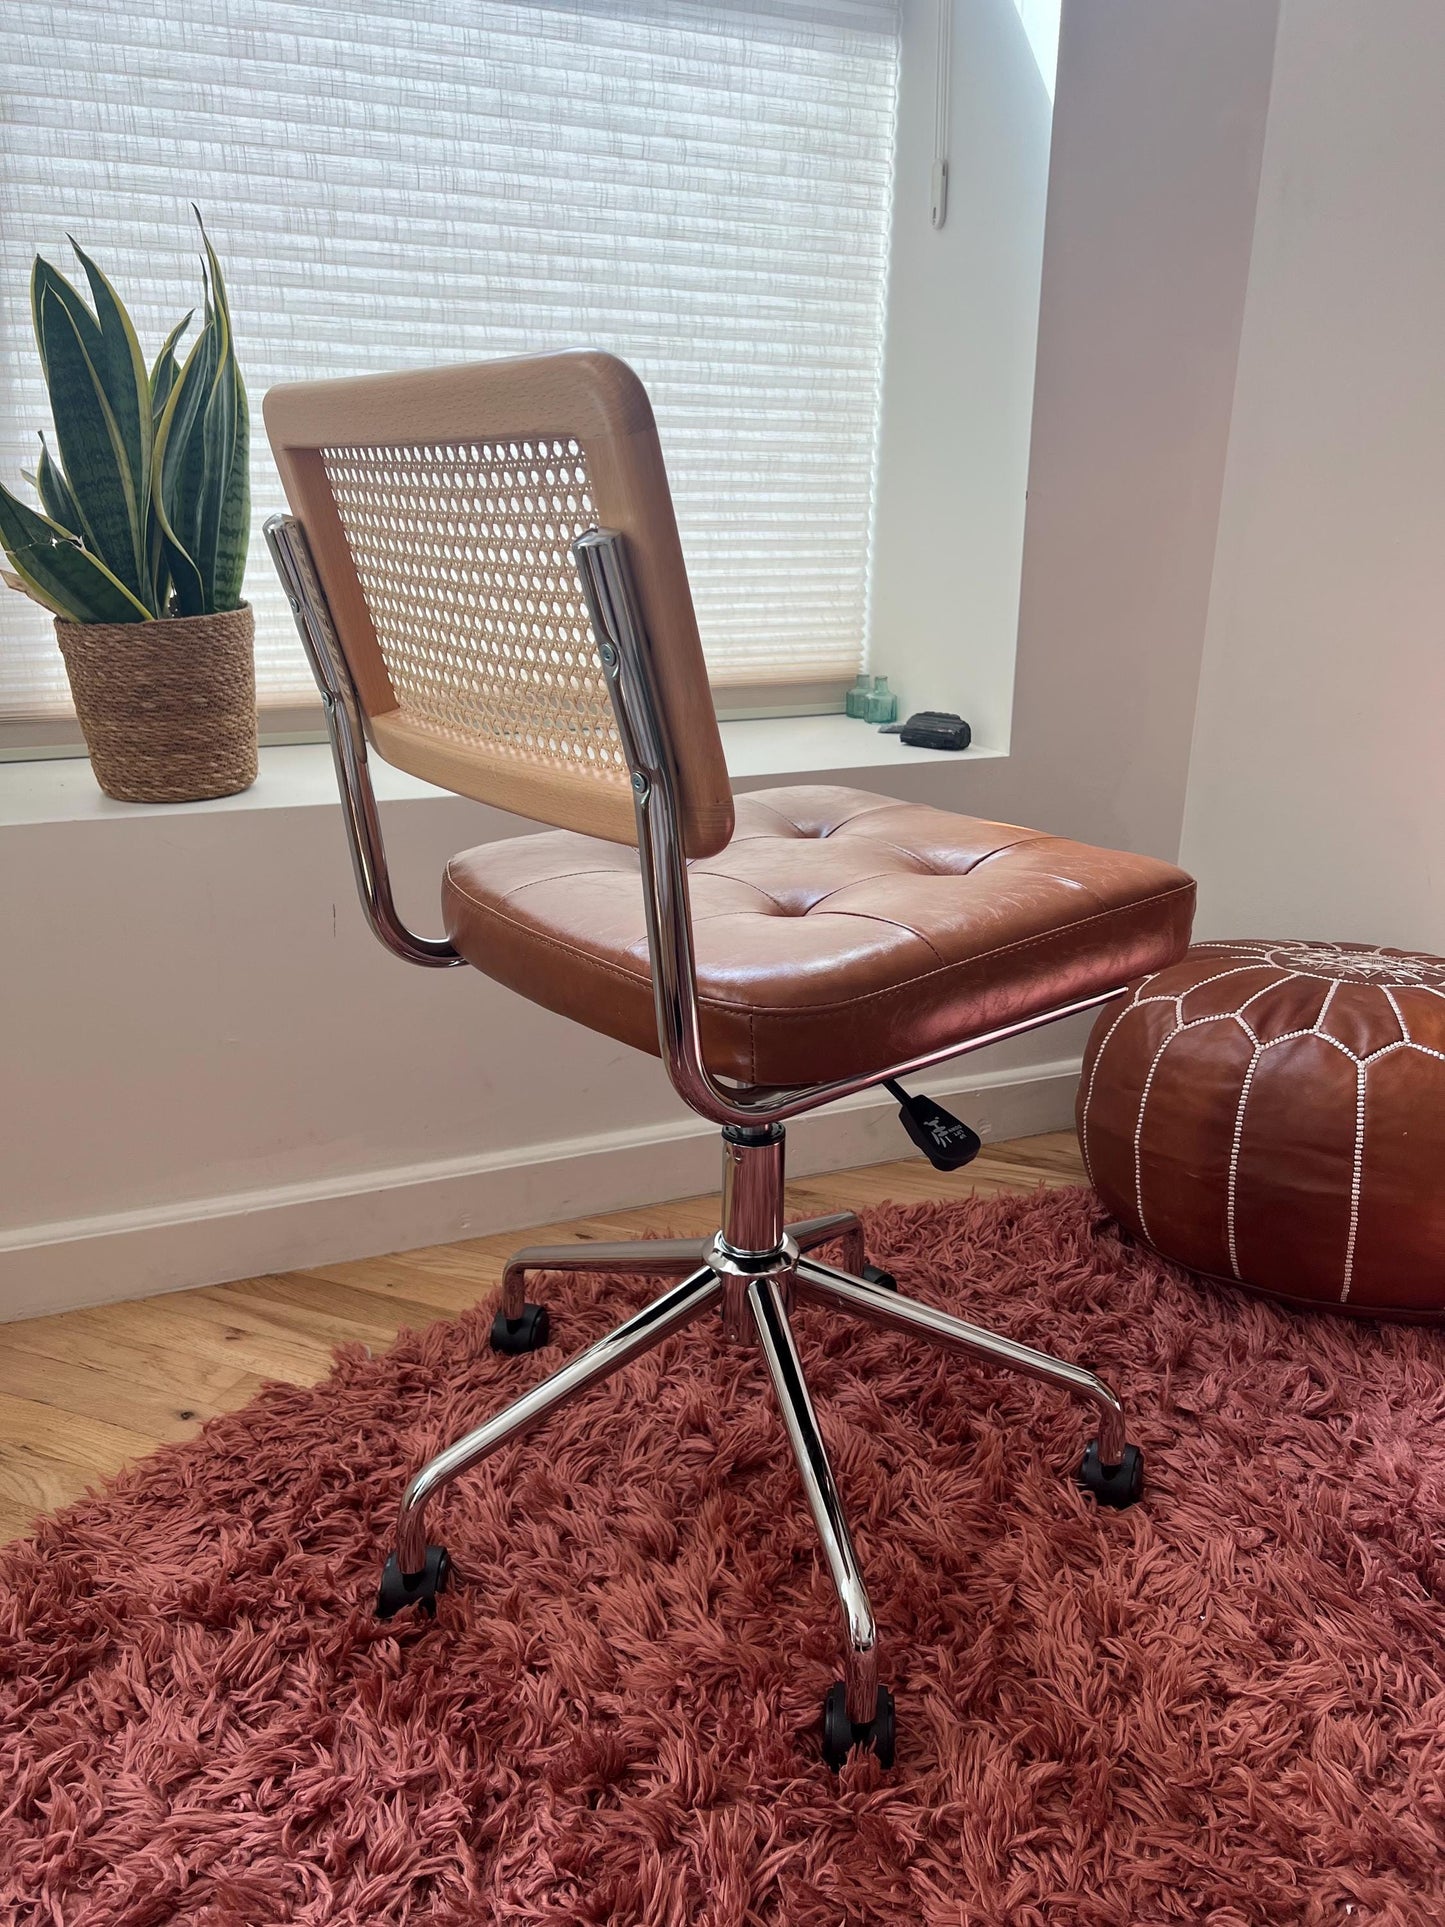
<point x="1273" y="1114"/>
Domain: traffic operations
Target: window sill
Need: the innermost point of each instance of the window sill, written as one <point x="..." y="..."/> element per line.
<point x="297" y="776"/>
<point x="785" y="746"/>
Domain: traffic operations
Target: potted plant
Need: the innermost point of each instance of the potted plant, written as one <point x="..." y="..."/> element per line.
<point x="139" y="546"/>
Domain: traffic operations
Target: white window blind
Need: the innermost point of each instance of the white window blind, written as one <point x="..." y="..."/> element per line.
<point x="704" y="189"/>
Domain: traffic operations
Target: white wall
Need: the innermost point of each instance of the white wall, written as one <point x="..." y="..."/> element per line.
<point x="1158" y="130"/>
<point x="1316" y="802"/>
<point x="959" y="371"/>
<point x="215" y="1070"/>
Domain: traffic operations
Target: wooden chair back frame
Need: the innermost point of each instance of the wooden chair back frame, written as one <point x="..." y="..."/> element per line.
<point x="440" y="508"/>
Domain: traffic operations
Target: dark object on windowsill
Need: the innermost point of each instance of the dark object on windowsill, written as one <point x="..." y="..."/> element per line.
<point x="932" y="729"/>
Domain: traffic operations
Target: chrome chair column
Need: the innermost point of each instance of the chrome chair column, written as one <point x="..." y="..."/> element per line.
<point x="752" y="1242"/>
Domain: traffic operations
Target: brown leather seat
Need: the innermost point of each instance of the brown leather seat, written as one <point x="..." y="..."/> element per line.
<point x="839" y="932"/>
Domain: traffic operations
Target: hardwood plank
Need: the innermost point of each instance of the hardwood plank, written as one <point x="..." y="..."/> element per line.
<point x="235" y="1333"/>
<point x="83" y="1392"/>
<point x="19" y="1516"/>
<point x="419" y="1294"/>
<point x="87" y="1439"/>
<point x="301" y="1305"/>
<point x="31" y="1486"/>
<point x="62" y="1386"/>
<point x="112" y="1349"/>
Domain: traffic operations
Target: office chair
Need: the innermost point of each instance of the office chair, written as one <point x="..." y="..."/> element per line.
<point x="487" y="578"/>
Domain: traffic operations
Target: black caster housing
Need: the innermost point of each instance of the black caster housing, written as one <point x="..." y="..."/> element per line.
<point x="1116" y="1485"/>
<point x="876" y="1275"/>
<point x="524" y="1334"/>
<point x="400" y="1590"/>
<point x="840" y="1734"/>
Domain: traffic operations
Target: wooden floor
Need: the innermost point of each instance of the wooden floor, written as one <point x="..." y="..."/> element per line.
<point x="83" y="1392"/>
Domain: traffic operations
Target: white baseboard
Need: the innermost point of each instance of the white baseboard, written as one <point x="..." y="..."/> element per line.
<point x="204" y="1241"/>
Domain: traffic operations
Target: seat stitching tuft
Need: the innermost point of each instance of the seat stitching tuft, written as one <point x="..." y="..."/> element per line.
<point x="873" y="916"/>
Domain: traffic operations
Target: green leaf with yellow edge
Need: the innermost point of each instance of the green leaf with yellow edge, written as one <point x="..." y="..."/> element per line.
<point x="233" y="538"/>
<point x="164" y="372"/>
<point x="226" y="523"/>
<point x="167" y="367"/>
<point x="92" y="447"/>
<point x="176" y="466"/>
<point x="121" y="369"/>
<point x="58" y="573"/>
<point x="47" y="280"/>
<point x="186" y="502"/>
<point x="54" y="491"/>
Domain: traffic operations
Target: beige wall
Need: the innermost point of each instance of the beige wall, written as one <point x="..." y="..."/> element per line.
<point x="1316" y="802"/>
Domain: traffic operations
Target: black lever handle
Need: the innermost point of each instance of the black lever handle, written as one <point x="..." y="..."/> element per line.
<point x="945" y="1140"/>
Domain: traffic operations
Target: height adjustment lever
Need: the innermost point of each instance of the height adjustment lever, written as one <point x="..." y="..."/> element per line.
<point x="945" y="1140"/>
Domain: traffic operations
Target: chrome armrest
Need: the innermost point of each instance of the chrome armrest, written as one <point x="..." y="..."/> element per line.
<point x="622" y="644"/>
<point x="286" y="540"/>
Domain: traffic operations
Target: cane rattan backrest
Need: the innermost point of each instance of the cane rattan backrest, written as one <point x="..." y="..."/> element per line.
<point x="440" y="508"/>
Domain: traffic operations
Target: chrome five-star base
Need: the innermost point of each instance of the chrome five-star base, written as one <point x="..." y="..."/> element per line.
<point x="751" y="1272"/>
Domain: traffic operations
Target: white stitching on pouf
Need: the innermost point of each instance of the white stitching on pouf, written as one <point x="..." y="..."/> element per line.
<point x="1379" y="969"/>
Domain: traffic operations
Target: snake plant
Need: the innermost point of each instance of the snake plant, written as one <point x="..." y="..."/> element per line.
<point x="145" y="503"/>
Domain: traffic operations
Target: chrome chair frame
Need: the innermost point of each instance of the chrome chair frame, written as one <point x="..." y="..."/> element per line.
<point x="755" y="1266"/>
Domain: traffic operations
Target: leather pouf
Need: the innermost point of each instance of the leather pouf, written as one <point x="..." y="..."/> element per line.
<point x="1274" y="1114"/>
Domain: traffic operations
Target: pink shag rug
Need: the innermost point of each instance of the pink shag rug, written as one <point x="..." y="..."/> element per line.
<point x="1223" y="1706"/>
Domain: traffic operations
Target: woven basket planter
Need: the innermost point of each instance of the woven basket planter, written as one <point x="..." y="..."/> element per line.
<point x="168" y="708"/>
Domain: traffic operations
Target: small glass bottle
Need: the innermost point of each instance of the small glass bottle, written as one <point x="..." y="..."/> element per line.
<point x="882" y="705"/>
<point x="855" y="703"/>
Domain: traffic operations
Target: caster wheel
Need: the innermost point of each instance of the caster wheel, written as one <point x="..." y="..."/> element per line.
<point x="401" y="1589"/>
<point x="1116" y="1485"/>
<point x="524" y="1334"/>
<point x="876" y="1275"/>
<point x="840" y="1734"/>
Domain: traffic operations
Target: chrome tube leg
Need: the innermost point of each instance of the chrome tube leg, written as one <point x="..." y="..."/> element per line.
<point x="669" y="1313"/>
<point x="843" y="1226"/>
<point x="649" y="1257"/>
<point x="824" y="1285"/>
<point x="781" y="1353"/>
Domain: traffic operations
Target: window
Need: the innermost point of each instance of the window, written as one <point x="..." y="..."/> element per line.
<point x="703" y="188"/>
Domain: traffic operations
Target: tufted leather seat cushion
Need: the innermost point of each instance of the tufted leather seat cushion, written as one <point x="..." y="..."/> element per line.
<point x="838" y="933"/>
